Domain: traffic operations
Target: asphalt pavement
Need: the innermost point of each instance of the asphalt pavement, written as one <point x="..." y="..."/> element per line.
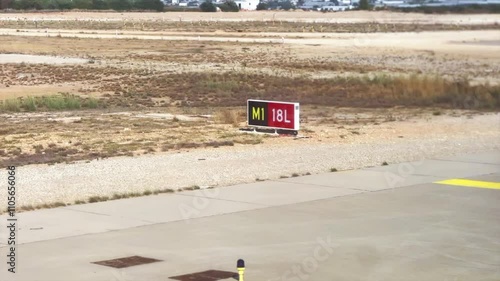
<point x="437" y="219"/>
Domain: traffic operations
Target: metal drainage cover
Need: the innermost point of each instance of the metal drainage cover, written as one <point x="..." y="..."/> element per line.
<point x="126" y="262"/>
<point x="209" y="275"/>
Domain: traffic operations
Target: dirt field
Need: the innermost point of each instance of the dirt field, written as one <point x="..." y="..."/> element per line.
<point x="347" y="17"/>
<point x="86" y="86"/>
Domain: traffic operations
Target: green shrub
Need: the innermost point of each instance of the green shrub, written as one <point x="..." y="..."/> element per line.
<point x="53" y="102"/>
<point x="156" y="5"/>
<point x="50" y="103"/>
<point x="262" y="6"/>
<point x="12" y="105"/>
<point x="82" y="4"/>
<point x="29" y="104"/>
<point x="120" y="5"/>
<point x="364" y="5"/>
<point x="27" y="4"/>
<point x="229" y="6"/>
<point x="60" y="102"/>
<point x="72" y="102"/>
<point x="91" y="103"/>
<point x="100" y="4"/>
<point x="65" y="4"/>
<point x="208" y="6"/>
<point x="287" y="5"/>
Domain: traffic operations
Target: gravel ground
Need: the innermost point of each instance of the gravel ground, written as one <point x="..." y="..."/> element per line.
<point x="39" y="184"/>
<point x="301" y="16"/>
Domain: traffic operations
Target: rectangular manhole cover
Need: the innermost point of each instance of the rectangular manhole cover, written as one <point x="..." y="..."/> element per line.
<point x="209" y="275"/>
<point x="126" y="262"/>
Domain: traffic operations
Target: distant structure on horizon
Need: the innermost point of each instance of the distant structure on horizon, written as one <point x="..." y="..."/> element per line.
<point x="249" y="5"/>
<point x="333" y="5"/>
<point x="342" y="5"/>
<point x="434" y="3"/>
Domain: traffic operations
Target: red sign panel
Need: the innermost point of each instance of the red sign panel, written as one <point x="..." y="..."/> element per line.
<point x="281" y="115"/>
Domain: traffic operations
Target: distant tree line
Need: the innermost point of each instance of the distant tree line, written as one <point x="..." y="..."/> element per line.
<point x="118" y="5"/>
<point x="227" y="6"/>
<point x="364" y="5"/>
<point x="4" y="4"/>
<point x="277" y="5"/>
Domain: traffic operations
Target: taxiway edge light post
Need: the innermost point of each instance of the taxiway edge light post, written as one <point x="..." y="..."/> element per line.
<point x="240" y="265"/>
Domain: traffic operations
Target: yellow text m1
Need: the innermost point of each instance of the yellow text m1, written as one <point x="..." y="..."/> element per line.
<point x="256" y="113"/>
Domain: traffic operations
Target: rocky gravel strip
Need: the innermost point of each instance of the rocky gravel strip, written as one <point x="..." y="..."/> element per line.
<point x="38" y="184"/>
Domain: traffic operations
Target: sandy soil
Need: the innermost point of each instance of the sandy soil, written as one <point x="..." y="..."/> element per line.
<point x="19" y="58"/>
<point x="455" y="54"/>
<point x="17" y="91"/>
<point x="479" y="44"/>
<point x="346" y="17"/>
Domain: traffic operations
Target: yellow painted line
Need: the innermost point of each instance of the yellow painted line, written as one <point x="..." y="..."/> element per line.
<point x="471" y="183"/>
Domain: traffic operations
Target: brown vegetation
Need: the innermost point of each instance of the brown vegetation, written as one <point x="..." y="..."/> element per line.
<point x="140" y="89"/>
<point x="241" y="26"/>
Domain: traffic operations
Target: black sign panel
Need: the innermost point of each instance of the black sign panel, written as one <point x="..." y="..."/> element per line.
<point x="257" y="113"/>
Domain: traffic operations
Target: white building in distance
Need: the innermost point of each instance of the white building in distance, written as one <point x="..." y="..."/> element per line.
<point x="249" y="5"/>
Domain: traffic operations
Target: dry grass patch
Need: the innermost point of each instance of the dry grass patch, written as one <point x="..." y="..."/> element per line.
<point x="229" y="116"/>
<point x="94" y="136"/>
<point x="95" y="199"/>
<point x="356" y="91"/>
<point x="240" y="26"/>
<point x="61" y="101"/>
